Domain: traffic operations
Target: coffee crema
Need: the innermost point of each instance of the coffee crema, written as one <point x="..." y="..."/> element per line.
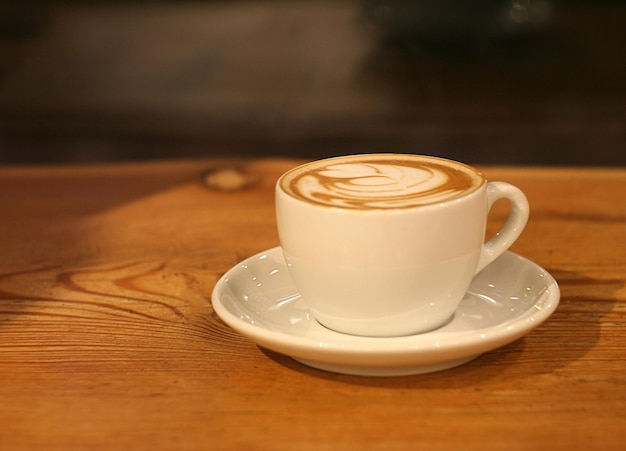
<point x="380" y="181"/>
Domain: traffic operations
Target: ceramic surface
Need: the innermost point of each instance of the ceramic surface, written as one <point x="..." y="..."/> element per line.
<point x="505" y="301"/>
<point x="369" y="258"/>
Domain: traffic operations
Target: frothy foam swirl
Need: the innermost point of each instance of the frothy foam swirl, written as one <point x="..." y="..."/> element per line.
<point x="381" y="181"/>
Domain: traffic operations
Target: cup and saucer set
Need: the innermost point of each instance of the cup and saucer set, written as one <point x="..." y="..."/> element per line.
<point x="383" y="269"/>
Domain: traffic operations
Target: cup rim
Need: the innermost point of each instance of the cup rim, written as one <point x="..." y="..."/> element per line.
<point x="279" y="188"/>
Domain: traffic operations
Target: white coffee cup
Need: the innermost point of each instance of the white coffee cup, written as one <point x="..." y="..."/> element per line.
<point x="388" y="244"/>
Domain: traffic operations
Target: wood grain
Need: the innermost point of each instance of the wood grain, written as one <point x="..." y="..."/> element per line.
<point x="108" y="339"/>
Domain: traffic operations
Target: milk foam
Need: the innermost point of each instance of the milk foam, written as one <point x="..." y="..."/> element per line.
<point x="381" y="181"/>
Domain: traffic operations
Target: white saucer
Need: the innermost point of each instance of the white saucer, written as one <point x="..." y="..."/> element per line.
<point x="505" y="301"/>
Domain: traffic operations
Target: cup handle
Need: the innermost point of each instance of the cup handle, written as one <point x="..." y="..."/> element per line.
<point x="512" y="228"/>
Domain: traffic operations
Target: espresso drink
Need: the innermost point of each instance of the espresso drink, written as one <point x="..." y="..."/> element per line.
<point x="381" y="181"/>
<point x="387" y="244"/>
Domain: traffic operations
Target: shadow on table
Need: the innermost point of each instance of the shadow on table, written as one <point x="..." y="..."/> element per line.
<point x="566" y="337"/>
<point x="92" y="189"/>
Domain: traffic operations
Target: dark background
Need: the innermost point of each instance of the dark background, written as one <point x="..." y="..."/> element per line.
<point x="503" y="82"/>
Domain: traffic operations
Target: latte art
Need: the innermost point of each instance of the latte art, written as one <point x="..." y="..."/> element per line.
<point x="381" y="181"/>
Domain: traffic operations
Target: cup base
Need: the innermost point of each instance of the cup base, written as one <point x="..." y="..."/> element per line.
<point x="374" y="328"/>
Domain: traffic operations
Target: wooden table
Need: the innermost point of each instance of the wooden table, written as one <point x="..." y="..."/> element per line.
<point x="108" y="339"/>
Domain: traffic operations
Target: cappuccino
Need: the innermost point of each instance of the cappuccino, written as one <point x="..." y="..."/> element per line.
<point x="381" y="181"/>
<point x="387" y="244"/>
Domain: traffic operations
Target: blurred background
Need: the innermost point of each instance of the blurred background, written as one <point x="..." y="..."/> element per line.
<point x="536" y="82"/>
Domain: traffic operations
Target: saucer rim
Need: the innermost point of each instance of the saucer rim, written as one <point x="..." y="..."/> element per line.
<point x="405" y="353"/>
